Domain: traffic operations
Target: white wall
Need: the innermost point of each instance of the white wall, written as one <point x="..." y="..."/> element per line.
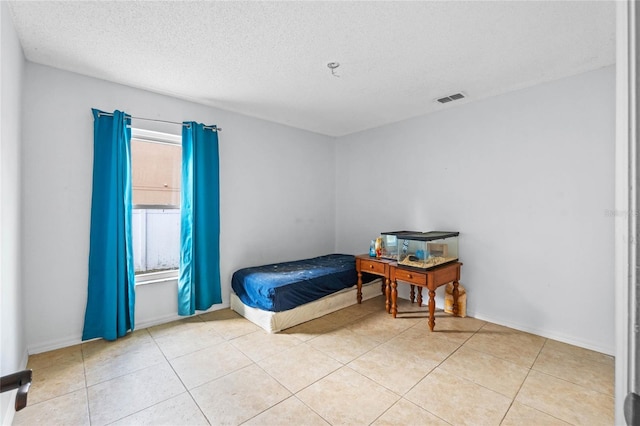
<point x="526" y="177"/>
<point x="277" y="195"/>
<point x="14" y="355"/>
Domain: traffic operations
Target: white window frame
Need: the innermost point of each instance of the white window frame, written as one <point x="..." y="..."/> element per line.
<point x="162" y="138"/>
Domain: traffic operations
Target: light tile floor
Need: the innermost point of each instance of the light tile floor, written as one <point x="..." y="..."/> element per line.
<point x="357" y="366"/>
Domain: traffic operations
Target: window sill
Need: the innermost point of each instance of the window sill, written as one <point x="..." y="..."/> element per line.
<point x="159" y="280"/>
<point x="156" y="277"/>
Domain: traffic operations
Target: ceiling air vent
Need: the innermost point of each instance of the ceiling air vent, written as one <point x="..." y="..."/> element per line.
<point x="450" y="98"/>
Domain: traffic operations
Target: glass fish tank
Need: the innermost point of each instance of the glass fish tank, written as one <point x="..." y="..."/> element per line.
<point x="425" y="250"/>
<point x="390" y="243"/>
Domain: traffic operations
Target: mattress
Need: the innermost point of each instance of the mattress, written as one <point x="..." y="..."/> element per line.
<point x="272" y="322"/>
<point x="283" y="286"/>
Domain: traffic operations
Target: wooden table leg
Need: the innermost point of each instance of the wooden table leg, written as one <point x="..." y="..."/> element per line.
<point x="394" y="298"/>
<point x="359" y="294"/>
<point x="419" y="296"/>
<point x="432" y="309"/>
<point x="387" y="294"/>
<point x="455" y="298"/>
<point x="413" y="293"/>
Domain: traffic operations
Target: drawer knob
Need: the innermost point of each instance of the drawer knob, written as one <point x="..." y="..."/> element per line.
<point x="410" y="276"/>
<point x="371" y="266"/>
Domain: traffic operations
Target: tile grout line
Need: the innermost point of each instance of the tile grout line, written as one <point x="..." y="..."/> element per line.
<point x="343" y="326"/>
<point x="37" y="370"/>
<point x="567" y="380"/>
<point x="187" y="390"/>
<point x="140" y="369"/>
<point x="439" y="364"/>
<point x="402" y="397"/>
<point x="179" y="378"/>
<point x="530" y="369"/>
<point x="86" y="387"/>
<point x="522" y="384"/>
<point x="342" y="365"/>
<point x="293" y="394"/>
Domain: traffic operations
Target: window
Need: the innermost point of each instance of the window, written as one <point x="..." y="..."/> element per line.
<point x="155" y="178"/>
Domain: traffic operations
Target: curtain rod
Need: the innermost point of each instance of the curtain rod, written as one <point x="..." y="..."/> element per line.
<point x="214" y="128"/>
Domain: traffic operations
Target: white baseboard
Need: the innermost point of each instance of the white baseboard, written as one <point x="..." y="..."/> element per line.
<point x="141" y="325"/>
<point x="150" y="322"/>
<point x="549" y="334"/>
<point x="75" y="340"/>
<point x="52" y="345"/>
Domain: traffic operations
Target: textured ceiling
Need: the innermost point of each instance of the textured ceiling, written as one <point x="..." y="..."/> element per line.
<point x="269" y="59"/>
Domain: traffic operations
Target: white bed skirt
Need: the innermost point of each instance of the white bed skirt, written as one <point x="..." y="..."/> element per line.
<point x="273" y="322"/>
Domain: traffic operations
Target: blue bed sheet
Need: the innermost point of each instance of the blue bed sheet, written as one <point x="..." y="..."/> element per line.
<point x="283" y="286"/>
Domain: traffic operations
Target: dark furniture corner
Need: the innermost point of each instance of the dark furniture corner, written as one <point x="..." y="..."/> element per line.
<point x="21" y="381"/>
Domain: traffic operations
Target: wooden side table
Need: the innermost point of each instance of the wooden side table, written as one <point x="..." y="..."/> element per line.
<point x="376" y="266"/>
<point x="429" y="278"/>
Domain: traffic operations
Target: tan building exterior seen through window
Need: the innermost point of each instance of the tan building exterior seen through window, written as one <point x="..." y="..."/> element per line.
<point x="155" y="173"/>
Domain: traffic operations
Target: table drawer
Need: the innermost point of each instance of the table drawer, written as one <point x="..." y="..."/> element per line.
<point x="372" y="267"/>
<point x="446" y="275"/>
<point x="411" y="276"/>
